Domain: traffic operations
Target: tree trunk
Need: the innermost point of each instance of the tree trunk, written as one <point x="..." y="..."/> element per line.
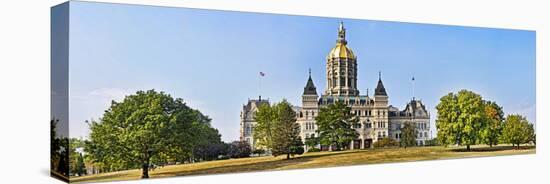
<point x="288" y="156"/>
<point x="468" y="147"/>
<point x="145" y="170"/>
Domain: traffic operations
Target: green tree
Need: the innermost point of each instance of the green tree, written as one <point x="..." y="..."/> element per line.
<point x="335" y="124"/>
<point x="59" y="152"/>
<point x="207" y="144"/>
<point x="239" y="149"/>
<point x="408" y="135"/>
<point x="76" y="165"/>
<point x="532" y="134"/>
<point x="494" y="118"/>
<point x="516" y="130"/>
<point x="258" y="152"/>
<point x="460" y="118"/>
<point x="311" y="142"/>
<point x="265" y="118"/>
<point x="146" y="127"/>
<point x="80" y="166"/>
<point x="296" y="147"/>
<point x="286" y="132"/>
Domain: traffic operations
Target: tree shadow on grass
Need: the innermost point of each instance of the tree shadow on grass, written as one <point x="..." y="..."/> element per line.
<point x="493" y="149"/>
<point x="92" y="178"/>
<point x="250" y="167"/>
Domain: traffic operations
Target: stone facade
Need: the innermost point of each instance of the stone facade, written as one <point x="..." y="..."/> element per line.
<point x="247" y="119"/>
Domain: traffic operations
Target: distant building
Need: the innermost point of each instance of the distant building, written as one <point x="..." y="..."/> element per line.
<point x="377" y="118"/>
<point x="247" y="119"/>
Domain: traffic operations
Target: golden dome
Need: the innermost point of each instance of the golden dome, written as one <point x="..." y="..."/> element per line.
<point x="341" y="51"/>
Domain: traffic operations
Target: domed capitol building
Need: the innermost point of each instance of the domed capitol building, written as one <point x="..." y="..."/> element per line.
<point x="377" y="119"/>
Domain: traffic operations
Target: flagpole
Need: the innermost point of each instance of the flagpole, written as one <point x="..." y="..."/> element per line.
<point x="413" y="86"/>
<point x="261" y="74"/>
<point x="260" y="85"/>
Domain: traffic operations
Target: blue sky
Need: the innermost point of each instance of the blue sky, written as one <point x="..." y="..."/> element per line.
<point x="211" y="59"/>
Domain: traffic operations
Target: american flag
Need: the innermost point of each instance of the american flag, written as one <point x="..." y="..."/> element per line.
<point x="262" y="74"/>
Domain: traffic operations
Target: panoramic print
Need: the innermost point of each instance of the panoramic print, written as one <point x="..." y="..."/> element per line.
<point x="149" y="92"/>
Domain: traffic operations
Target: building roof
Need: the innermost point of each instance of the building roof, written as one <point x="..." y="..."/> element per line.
<point x="310" y="87"/>
<point x="341" y="50"/>
<point x="254" y="103"/>
<point x="380" y="90"/>
<point x="414" y="108"/>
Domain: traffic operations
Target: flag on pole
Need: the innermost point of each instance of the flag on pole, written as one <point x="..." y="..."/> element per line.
<point x="262" y="74"/>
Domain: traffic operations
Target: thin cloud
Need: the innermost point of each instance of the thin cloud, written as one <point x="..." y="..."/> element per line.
<point x="116" y="94"/>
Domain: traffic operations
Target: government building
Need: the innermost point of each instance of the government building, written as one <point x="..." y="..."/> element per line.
<point x="377" y="119"/>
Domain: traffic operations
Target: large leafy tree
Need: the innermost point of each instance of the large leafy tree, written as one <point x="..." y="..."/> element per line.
<point x="335" y="124"/>
<point x="460" y="118"/>
<point x="145" y="127"/>
<point x="286" y="132"/>
<point x="208" y="144"/>
<point x="408" y="135"/>
<point x="494" y="118"/>
<point x="265" y="118"/>
<point x="276" y="129"/>
<point x="516" y="130"/>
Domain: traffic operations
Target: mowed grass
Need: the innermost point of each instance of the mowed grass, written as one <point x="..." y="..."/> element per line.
<point x="312" y="160"/>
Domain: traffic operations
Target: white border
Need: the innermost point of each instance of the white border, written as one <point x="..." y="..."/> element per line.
<point x="24" y="96"/>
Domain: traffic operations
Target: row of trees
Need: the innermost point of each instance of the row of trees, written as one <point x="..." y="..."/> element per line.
<point x="277" y="131"/>
<point x="465" y="118"/>
<point x="76" y="159"/>
<point x="59" y="151"/>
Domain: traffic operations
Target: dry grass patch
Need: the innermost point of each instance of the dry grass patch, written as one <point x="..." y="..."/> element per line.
<point x="312" y="160"/>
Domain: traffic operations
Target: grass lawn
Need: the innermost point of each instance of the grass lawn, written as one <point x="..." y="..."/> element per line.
<point x="312" y="160"/>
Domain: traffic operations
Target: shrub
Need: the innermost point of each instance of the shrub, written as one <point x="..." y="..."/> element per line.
<point x="258" y="152"/>
<point x="313" y="150"/>
<point x="239" y="149"/>
<point x="432" y="142"/>
<point x="385" y="142"/>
